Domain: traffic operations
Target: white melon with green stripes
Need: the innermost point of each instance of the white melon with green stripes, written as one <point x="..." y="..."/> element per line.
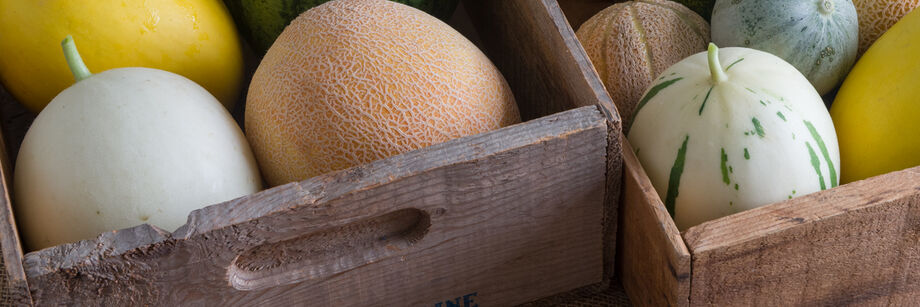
<point x="716" y="141"/>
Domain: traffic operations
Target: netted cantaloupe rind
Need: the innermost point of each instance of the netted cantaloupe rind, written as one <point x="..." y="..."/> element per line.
<point x="350" y="82"/>
<point x="877" y="16"/>
<point x="631" y="43"/>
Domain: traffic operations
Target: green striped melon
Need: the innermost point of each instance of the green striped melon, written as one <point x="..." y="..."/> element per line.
<point x="819" y="37"/>
<point x="717" y="141"/>
<point x="261" y="21"/>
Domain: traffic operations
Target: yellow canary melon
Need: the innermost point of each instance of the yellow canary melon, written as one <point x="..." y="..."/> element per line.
<point x="352" y="81"/>
<point x="876" y="110"/>
<point x="630" y="43"/>
<point x="877" y="16"/>
<point x="192" y="38"/>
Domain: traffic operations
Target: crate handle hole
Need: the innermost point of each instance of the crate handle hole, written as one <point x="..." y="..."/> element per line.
<point x="323" y="254"/>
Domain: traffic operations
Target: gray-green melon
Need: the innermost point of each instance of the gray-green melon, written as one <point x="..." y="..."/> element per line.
<point x="819" y="37"/>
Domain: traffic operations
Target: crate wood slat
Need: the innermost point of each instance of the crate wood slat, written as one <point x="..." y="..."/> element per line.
<point x="16" y="289"/>
<point x="393" y="232"/>
<point x="653" y="261"/>
<point x="532" y="43"/>
<point x="858" y="244"/>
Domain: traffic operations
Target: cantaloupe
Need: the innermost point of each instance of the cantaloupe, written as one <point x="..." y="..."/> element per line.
<point x="349" y="82"/>
<point x="631" y="43"/>
<point x="876" y="16"/>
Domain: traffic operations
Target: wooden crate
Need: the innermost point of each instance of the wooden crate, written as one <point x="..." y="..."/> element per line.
<point x="499" y="218"/>
<point x="856" y="244"/>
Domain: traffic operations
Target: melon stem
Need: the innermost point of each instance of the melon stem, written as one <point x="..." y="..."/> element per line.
<point x="826" y="7"/>
<point x="715" y="67"/>
<point x="72" y="56"/>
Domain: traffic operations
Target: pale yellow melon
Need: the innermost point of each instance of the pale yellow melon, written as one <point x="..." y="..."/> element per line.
<point x="876" y="16"/>
<point x="351" y="81"/>
<point x="630" y="43"/>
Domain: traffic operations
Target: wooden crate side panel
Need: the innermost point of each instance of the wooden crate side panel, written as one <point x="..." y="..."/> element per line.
<point x="496" y="219"/>
<point x="653" y="262"/>
<point x="858" y="244"/>
<point x="535" y="48"/>
<point x="612" y="199"/>
<point x="14" y="290"/>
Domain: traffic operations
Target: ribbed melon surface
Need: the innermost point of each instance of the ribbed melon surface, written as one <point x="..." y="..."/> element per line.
<point x="876" y="16"/>
<point x="631" y="43"/>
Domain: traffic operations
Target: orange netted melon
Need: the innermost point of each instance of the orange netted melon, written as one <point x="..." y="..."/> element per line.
<point x="630" y="43"/>
<point x="351" y="81"/>
<point x="876" y="16"/>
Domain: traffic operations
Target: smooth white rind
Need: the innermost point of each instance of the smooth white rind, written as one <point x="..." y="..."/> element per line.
<point x="778" y="163"/>
<point x="125" y="147"/>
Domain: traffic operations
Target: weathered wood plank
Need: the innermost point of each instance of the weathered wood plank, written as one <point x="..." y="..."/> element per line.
<point x="653" y="261"/>
<point x="498" y="218"/>
<point x="14" y="290"/>
<point x="855" y="244"/>
<point x="547" y="68"/>
<point x="535" y="48"/>
<point x="15" y="122"/>
<point x="612" y="198"/>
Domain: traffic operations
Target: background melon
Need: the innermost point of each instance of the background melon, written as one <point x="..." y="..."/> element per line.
<point x="876" y="109"/>
<point x="350" y="81"/>
<point x="876" y="16"/>
<point x="193" y="38"/>
<point x="261" y="21"/>
<point x="631" y="43"/>
<point x="702" y="7"/>
<point x="818" y="37"/>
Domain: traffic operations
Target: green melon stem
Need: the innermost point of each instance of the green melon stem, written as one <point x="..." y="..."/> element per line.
<point x="77" y="67"/>
<point x="715" y="67"/>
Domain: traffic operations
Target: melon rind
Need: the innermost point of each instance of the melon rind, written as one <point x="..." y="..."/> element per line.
<point x="631" y="43"/>
<point x="350" y="82"/>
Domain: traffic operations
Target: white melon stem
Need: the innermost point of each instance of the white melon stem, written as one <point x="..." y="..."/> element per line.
<point x="715" y="67"/>
<point x="77" y="67"/>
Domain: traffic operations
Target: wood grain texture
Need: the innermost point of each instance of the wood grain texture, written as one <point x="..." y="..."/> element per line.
<point x="612" y="197"/>
<point x="653" y="262"/>
<point x="15" y="122"/>
<point x="14" y="290"/>
<point x="537" y="51"/>
<point x="514" y="214"/>
<point x="534" y="46"/>
<point x="857" y="244"/>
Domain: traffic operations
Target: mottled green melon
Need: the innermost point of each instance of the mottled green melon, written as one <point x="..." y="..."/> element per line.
<point x="261" y="21"/>
<point x="818" y="37"/>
